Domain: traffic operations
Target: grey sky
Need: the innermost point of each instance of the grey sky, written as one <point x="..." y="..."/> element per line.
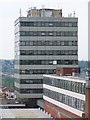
<point x="9" y="11"/>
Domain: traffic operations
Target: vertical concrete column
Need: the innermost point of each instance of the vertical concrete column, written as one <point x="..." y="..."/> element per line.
<point x="87" y="111"/>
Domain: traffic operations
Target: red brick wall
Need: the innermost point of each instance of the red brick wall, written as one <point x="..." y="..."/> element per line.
<point x="87" y="113"/>
<point x="67" y="71"/>
<point x="58" y="112"/>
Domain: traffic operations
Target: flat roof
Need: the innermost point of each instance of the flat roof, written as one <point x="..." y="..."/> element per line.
<point x="12" y="105"/>
<point x="23" y="113"/>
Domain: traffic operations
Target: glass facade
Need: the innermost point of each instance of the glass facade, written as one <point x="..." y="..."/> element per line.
<point x="46" y="62"/>
<point x="68" y="100"/>
<point x="48" y="52"/>
<point x="29" y="81"/>
<point x="73" y="86"/>
<point x="49" y="33"/>
<point x="47" y="43"/>
<point x="48" y="24"/>
<point x="29" y="91"/>
<point x="35" y="71"/>
<point x="38" y="38"/>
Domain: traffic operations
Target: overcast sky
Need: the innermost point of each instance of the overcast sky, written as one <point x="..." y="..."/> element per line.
<point x="9" y="11"/>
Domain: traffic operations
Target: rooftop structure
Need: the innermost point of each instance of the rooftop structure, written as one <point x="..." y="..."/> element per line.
<point x="44" y="12"/>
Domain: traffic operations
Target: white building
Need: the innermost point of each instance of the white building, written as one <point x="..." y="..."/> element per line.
<point x="44" y="40"/>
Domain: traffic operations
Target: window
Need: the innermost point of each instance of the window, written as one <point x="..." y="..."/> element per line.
<point x="38" y="71"/>
<point x="27" y="33"/>
<point x="66" y="52"/>
<point x="70" y="52"/>
<point x="58" y="24"/>
<point x="65" y="99"/>
<point x="43" y="24"/>
<point x="55" y="33"/>
<point x="48" y="24"/>
<point x="22" y="33"/>
<point x="70" y="24"/>
<point x="62" y="24"/>
<point x="31" y="81"/>
<point x="62" y="52"/>
<point x="66" y="24"/>
<point x="58" y="43"/>
<point x="31" y="91"/>
<point x="64" y="84"/>
<point x="39" y="43"/>
<point x="35" y="24"/>
<point x="47" y="43"/>
<point x="31" y="33"/>
<point x="31" y="43"/>
<point x="62" y="43"/>
<point x="54" y="62"/>
<point x="42" y="33"/>
<point x="66" y="43"/>
<point x="70" y="33"/>
<point x="58" y="33"/>
<point x="22" y="52"/>
<point x="74" y="43"/>
<point x="74" y="33"/>
<point x="22" y="43"/>
<point x="74" y="24"/>
<point x="49" y="52"/>
<point x="27" y="43"/>
<point x="70" y="43"/>
<point x="50" y="33"/>
<point x="31" y="52"/>
<point x="35" y="33"/>
<point x="66" y="33"/>
<point x="74" y="52"/>
<point x="39" y="24"/>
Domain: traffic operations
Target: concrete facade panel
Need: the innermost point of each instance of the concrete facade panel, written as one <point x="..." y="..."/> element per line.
<point x="28" y="38"/>
<point x="31" y="86"/>
<point x="28" y="95"/>
<point x="48" y="48"/>
<point x="49" y="57"/>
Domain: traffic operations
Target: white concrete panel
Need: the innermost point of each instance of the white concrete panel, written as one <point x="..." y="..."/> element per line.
<point x="48" y="57"/>
<point x="66" y="107"/>
<point x="48" y="47"/>
<point x="28" y="95"/>
<point x="68" y="78"/>
<point x="31" y="86"/>
<point x="66" y="92"/>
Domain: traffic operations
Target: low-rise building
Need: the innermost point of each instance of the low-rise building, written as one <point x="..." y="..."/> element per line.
<point x="64" y="96"/>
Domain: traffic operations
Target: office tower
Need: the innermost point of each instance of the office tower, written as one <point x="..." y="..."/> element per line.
<point x="44" y="40"/>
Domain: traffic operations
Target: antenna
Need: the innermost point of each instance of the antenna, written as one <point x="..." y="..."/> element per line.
<point x="42" y="6"/>
<point x="43" y="10"/>
<point x="73" y="13"/>
<point x="70" y="15"/>
<point x="20" y="12"/>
